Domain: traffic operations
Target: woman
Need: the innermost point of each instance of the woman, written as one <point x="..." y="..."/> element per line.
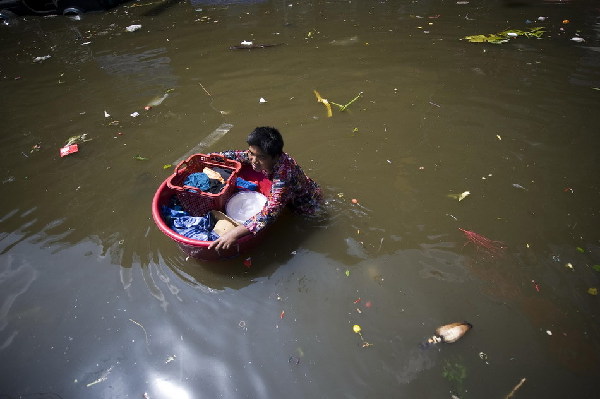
<point x="290" y="186"/>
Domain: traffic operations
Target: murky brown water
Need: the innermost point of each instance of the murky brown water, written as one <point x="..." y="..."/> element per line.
<point x="96" y="302"/>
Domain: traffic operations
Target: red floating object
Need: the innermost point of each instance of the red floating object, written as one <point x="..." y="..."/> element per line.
<point x="488" y="247"/>
<point x="68" y="149"/>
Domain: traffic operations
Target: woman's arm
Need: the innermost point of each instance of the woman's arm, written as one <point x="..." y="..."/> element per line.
<point x="230" y="238"/>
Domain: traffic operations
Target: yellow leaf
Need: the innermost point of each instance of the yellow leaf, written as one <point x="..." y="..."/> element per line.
<point x="591" y="291"/>
<point x="325" y="102"/>
<point x="356" y="328"/>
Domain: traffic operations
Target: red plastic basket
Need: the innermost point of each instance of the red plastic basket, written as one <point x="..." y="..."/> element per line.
<point x="197" y="202"/>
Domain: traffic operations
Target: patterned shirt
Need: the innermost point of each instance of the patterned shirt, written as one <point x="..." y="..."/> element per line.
<point x="290" y="187"/>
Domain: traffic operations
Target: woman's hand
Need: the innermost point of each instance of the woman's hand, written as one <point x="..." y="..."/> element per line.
<point x="230" y="238"/>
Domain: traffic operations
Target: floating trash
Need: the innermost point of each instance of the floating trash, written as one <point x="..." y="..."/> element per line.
<point x="448" y="333"/>
<point x="68" y="149"/>
<point x="460" y="196"/>
<point x="40" y="59"/>
<point x="133" y="28"/>
<point x="489" y="247"/>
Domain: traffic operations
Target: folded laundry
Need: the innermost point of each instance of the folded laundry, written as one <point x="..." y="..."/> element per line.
<point x="225" y="173"/>
<point x="201" y="181"/>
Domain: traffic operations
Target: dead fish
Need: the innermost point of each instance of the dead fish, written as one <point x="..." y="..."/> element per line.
<point x="448" y="333"/>
<point x="252" y="46"/>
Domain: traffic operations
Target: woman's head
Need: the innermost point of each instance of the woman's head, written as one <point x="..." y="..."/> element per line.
<point x="268" y="139"/>
<point x="265" y="146"/>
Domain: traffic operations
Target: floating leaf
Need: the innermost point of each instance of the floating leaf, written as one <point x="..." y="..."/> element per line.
<point x="167" y="166"/>
<point x="592" y="291"/>
<point x="82" y="138"/>
<point x="581" y="250"/>
<point x="140" y="158"/>
<point x="494" y="39"/>
<point x="324" y="102"/>
<point x="505" y="36"/>
<point x="356" y="328"/>
<point x="596" y="268"/>
<point x="347" y="273"/>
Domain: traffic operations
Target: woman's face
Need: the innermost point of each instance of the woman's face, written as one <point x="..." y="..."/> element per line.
<point x="260" y="160"/>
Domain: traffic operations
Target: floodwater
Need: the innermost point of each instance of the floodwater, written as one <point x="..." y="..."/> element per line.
<point x="96" y="302"/>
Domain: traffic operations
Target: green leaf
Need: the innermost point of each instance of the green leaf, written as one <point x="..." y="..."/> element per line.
<point x="579" y="249"/>
<point x="596" y="268"/>
<point x="347" y="273"/>
<point x="140" y="158"/>
<point x="167" y="166"/>
<point x="504" y="36"/>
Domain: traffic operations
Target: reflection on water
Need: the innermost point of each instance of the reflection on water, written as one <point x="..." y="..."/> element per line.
<point x="96" y="301"/>
<point x="15" y="280"/>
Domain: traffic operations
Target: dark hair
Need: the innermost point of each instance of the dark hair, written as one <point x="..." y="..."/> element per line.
<point x="267" y="139"/>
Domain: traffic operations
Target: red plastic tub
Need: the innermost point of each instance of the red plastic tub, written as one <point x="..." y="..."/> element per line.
<point x="199" y="249"/>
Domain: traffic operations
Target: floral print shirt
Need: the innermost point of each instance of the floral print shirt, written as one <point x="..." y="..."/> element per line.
<point x="291" y="186"/>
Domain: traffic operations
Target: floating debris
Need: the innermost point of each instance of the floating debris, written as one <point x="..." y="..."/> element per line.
<point x="490" y="247"/>
<point x="170" y="358"/>
<point x="569" y="266"/>
<point x="133" y="28"/>
<point x="505" y="36"/>
<point x="448" y="333"/>
<point x="325" y="102"/>
<point x="328" y="103"/>
<point x="358" y="330"/>
<point x="41" y="59"/>
<point x="103" y="377"/>
<point x="510" y="395"/>
<point x="82" y="138"/>
<point x="68" y="149"/>
<point x="156" y="101"/>
<point x="460" y="196"/>
<point x="345" y="42"/>
<point x="246" y="45"/>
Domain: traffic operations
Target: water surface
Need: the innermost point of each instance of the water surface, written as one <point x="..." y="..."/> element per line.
<point x="97" y="302"/>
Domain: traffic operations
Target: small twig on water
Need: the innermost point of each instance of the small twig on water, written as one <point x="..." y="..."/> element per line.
<point x="510" y="395"/>
<point x="343" y="107"/>
<point x="206" y="91"/>
<point x="145" y="333"/>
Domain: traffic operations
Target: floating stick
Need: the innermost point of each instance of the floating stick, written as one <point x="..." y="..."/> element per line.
<point x="510" y="395"/>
